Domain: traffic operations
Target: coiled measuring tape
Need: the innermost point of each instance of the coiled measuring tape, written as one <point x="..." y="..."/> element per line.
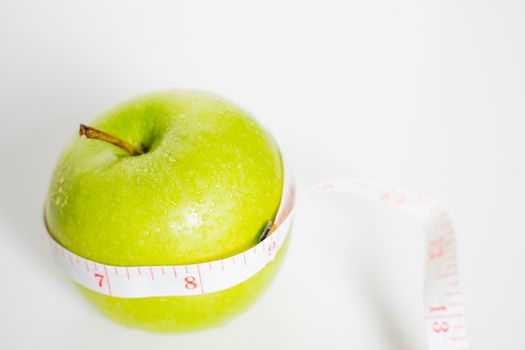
<point x="444" y="314"/>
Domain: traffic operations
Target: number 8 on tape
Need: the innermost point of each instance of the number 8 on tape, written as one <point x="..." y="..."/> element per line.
<point x="444" y="315"/>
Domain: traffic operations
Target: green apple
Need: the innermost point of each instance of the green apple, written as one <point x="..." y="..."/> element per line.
<point x="191" y="178"/>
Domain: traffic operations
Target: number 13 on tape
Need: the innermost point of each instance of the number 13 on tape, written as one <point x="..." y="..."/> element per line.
<point x="444" y="315"/>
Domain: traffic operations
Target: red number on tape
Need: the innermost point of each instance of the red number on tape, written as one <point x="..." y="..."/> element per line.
<point x="190" y="282"/>
<point x="100" y="279"/>
<point x="435" y="249"/>
<point x="435" y="253"/>
<point x="439" y="327"/>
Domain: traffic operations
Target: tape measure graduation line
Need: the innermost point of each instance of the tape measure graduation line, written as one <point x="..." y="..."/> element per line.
<point x="173" y="280"/>
<point x="444" y="312"/>
<point x="444" y="315"/>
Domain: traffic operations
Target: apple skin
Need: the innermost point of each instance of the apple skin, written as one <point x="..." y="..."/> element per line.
<point x="210" y="179"/>
<point x="187" y="313"/>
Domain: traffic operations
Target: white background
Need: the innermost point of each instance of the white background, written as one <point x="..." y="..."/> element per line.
<point x="427" y="95"/>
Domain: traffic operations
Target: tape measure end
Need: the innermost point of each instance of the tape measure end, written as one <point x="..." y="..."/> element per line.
<point x="266" y="231"/>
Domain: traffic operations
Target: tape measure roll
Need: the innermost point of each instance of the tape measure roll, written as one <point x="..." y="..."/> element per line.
<point x="444" y="314"/>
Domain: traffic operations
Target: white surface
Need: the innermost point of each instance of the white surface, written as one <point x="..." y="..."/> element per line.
<point x="428" y="95"/>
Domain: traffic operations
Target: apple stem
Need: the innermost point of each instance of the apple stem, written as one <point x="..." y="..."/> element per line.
<point x="92" y="133"/>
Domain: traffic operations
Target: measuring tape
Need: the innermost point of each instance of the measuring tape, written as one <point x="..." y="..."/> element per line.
<point x="444" y="315"/>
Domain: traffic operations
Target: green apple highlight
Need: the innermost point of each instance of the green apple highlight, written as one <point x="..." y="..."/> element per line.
<point x="201" y="182"/>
